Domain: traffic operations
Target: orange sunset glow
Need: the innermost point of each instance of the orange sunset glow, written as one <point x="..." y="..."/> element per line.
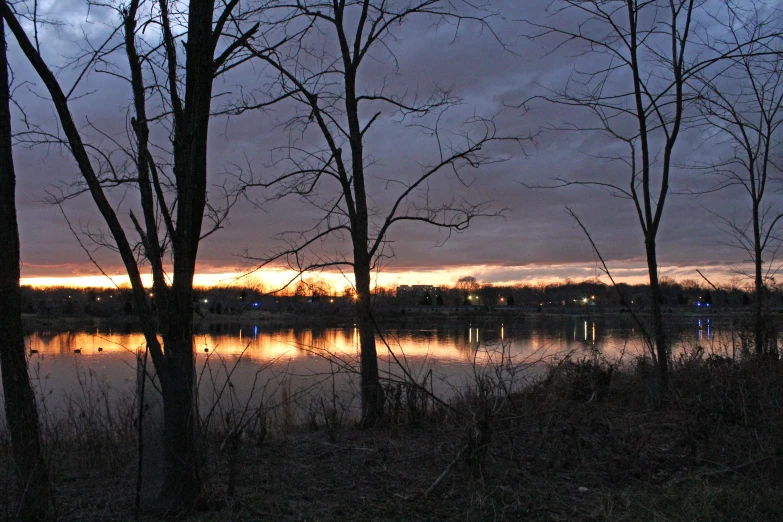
<point x="631" y="273"/>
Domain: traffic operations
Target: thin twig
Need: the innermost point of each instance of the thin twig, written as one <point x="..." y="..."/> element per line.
<point x="605" y="269"/>
<point x="406" y="372"/>
<point x="708" y="281"/>
<point x="86" y="251"/>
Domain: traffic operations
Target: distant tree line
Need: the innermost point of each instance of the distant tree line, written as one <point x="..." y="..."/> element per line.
<point x="236" y="300"/>
<point x="588" y="293"/>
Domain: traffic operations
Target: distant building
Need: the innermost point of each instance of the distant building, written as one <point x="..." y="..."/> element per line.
<point x="417" y="294"/>
<point x="406" y="290"/>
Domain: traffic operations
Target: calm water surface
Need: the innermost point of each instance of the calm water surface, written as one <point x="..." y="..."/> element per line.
<point x="64" y="364"/>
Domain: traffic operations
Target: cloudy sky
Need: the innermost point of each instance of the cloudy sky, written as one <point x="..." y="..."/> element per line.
<point x="534" y="239"/>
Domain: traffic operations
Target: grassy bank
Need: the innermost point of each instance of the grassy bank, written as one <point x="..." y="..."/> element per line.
<point x="585" y="442"/>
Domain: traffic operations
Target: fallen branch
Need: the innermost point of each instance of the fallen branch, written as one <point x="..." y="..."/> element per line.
<point x="445" y="471"/>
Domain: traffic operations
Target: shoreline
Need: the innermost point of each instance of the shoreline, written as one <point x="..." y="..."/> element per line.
<point x="387" y="316"/>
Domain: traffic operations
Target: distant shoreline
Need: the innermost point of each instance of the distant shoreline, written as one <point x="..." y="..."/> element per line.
<point x="391" y="316"/>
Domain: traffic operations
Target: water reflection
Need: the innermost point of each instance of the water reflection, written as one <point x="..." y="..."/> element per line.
<point x="264" y="354"/>
<point x="704" y="327"/>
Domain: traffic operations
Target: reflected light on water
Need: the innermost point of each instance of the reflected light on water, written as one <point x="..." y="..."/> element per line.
<point x="263" y="347"/>
<point x="585" y="331"/>
<point x="56" y="358"/>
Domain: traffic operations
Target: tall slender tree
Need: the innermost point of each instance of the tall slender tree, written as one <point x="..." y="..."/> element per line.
<point x="742" y="103"/>
<point x="323" y="74"/>
<point x="33" y="492"/>
<point x="637" y="57"/>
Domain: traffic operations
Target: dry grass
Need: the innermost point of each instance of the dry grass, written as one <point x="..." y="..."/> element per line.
<point x="583" y="444"/>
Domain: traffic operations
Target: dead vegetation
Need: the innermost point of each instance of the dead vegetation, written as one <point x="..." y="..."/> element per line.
<point x="582" y="443"/>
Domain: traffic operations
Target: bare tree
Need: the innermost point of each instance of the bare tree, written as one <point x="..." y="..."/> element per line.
<point x="743" y="104"/>
<point x="635" y="60"/>
<point x="33" y="492"/>
<point x="465" y="286"/>
<point x="324" y="75"/>
<point x="172" y="190"/>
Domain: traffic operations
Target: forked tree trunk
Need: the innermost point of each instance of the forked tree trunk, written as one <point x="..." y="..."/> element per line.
<point x="33" y="493"/>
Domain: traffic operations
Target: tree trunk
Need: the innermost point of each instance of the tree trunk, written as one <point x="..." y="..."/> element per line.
<point x="175" y="364"/>
<point x="182" y="481"/>
<point x="758" y="305"/>
<point x="758" y="312"/>
<point x="181" y="488"/>
<point x="659" y="334"/>
<point x="33" y="495"/>
<point x="372" y="392"/>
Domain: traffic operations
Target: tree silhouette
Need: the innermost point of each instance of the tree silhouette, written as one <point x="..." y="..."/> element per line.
<point x="170" y="83"/>
<point x="743" y="105"/>
<point x="34" y="501"/>
<point x="635" y="86"/>
<point x="323" y="73"/>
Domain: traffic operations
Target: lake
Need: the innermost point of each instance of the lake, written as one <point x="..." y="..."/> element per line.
<point x="262" y="363"/>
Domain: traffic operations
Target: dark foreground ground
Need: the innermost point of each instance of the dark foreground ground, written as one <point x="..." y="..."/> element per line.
<point x="587" y="443"/>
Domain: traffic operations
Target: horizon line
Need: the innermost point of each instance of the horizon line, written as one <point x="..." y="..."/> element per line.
<point x="277" y="279"/>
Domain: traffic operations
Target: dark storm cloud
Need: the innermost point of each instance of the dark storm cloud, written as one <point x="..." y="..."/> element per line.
<point x="534" y="238"/>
